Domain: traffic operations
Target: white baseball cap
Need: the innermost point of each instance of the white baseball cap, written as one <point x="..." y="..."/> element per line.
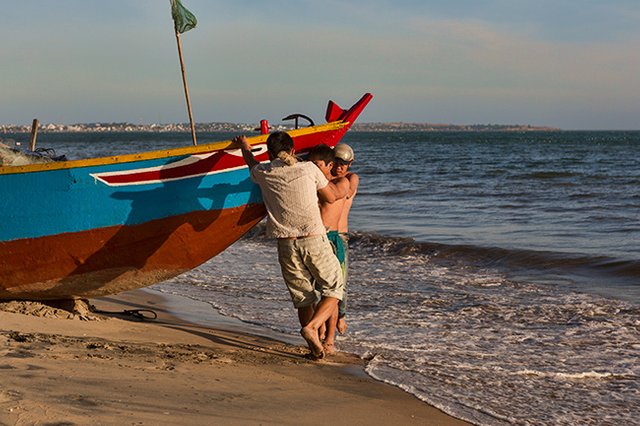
<point x="344" y="152"/>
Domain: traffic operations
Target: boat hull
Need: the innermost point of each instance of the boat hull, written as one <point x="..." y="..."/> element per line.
<point x="88" y="228"/>
<point x="113" y="259"/>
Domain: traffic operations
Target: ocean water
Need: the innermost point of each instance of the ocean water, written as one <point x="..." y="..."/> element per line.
<point x="493" y="275"/>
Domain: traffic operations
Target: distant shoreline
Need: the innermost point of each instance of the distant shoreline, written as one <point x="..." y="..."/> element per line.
<point x="244" y="127"/>
<point x="431" y="127"/>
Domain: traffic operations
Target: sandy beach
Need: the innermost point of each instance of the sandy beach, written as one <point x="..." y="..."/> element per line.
<point x="195" y="368"/>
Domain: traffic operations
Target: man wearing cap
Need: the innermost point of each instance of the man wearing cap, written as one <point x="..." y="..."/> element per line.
<point x="291" y="191"/>
<point x="323" y="157"/>
<point x="344" y="157"/>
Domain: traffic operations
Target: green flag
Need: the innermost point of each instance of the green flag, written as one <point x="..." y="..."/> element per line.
<point x="183" y="19"/>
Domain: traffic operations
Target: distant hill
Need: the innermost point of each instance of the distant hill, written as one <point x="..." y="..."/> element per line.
<point x="239" y="127"/>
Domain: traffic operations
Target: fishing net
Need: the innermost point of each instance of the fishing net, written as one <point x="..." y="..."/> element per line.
<point x="14" y="157"/>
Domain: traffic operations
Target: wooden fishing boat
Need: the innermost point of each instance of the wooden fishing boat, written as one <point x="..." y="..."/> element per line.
<point x="88" y="228"/>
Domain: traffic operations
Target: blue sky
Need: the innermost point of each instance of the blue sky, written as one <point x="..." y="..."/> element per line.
<point x="569" y="64"/>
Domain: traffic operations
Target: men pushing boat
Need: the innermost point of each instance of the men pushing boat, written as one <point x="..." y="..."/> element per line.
<point x="291" y="191"/>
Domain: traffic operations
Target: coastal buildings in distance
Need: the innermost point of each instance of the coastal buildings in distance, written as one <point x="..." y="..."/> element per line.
<point x="431" y="127"/>
<point x="248" y="128"/>
<point x="128" y="127"/>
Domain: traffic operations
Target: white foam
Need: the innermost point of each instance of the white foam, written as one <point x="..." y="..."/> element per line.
<point x="572" y="376"/>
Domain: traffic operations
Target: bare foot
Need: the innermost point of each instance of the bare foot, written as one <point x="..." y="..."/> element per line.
<point x="322" y="332"/>
<point x="342" y="325"/>
<point x="313" y="341"/>
<point x="329" y="348"/>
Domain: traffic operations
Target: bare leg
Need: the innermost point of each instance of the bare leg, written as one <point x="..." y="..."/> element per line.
<point x="322" y="332"/>
<point x="342" y="325"/>
<point x="330" y="341"/>
<point x="310" y="331"/>
<point x="305" y="314"/>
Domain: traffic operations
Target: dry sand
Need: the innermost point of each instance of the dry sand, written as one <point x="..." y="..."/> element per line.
<point x="110" y="369"/>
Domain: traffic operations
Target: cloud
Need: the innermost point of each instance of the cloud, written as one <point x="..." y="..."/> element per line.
<point x="490" y="57"/>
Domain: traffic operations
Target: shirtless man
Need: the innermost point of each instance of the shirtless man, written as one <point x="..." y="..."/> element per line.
<point x="344" y="157"/>
<point x="323" y="157"/>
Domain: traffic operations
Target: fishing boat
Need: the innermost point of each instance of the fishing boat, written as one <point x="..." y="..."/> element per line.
<point x="99" y="226"/>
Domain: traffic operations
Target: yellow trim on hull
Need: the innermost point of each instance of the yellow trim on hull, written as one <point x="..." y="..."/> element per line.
<point x="152" y="155"/>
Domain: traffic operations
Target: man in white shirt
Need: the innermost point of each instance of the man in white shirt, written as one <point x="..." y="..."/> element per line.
<point x="291" y="190"/>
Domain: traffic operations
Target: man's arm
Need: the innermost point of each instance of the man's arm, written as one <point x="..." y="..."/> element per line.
<point x="246" y="151"/>
<point x="354" y="181"/>
<point x="334" y="191"/>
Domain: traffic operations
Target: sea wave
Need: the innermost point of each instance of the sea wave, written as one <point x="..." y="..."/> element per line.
<point x="559" y="375"/>
<point x="496" y="256"/>
<point x="573" y="266"/>
<point x="547" y="175"/>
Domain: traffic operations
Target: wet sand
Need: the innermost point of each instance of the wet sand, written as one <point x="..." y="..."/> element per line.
<point x="198" y="368"/>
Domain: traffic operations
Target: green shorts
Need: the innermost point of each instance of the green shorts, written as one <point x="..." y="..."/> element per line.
<point x="338" y="247"/>
<point x="344" y="262"/>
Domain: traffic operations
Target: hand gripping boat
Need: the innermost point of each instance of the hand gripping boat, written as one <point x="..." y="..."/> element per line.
<point x="88" y="228"/>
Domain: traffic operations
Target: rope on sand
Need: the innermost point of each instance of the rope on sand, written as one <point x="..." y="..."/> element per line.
<point x="139" y="314"/>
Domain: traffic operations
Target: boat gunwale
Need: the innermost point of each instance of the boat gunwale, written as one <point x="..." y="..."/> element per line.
<point x="172" y="152"/>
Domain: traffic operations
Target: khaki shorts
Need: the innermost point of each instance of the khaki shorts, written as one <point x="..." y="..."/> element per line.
<point x="309" y="265"/>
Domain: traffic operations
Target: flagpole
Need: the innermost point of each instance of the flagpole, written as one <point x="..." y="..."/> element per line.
<point x="186" y="90"/>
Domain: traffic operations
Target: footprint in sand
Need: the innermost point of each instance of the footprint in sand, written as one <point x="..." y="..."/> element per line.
<point x="9" y="396"/>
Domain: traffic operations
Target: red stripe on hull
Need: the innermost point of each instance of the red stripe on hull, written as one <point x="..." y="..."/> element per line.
<point x="114" y="259"/>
